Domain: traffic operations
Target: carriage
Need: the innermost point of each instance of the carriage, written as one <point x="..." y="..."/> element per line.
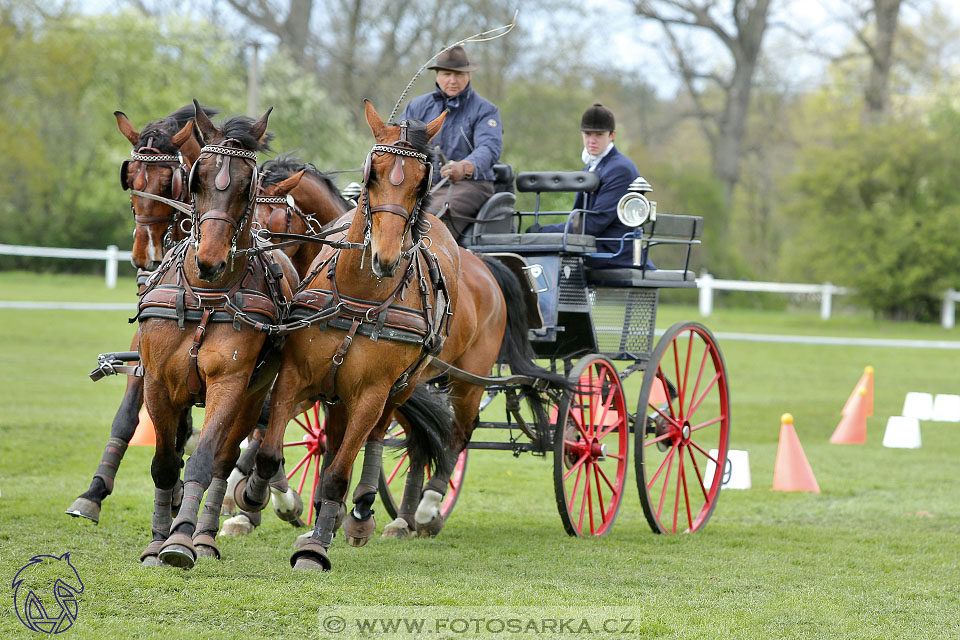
<point x="596" y="327"/>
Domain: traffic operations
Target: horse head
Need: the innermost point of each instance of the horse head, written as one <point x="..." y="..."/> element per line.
<point x="397" y="175"/>
<point x="158" y="164"/>
<point x="224" y="182"/>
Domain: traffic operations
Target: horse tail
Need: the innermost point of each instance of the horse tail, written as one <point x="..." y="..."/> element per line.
<point x="430" y="418"/>
<point x="516" y="349"/>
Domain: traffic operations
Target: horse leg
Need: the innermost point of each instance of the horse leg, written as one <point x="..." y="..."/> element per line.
<point x="225" y="456"/>
<point x="242" y="522"/>
<point x="313" y="554"/>
<point x="466" y="401"/>
<point x="404" y="526"/>
<point x="87" y="505"/>
<point x="165" y="470"/>
<point x="222" y="399"/>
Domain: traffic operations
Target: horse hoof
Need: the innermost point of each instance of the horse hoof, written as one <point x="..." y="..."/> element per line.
<point x="397" y="529"/>
<point x="149" y="557"/>
<point x="151" y="561"/>
<point x="242" y="500"/>
<point x="206" y="546"/>
<point x="430" y="528"/>
<point x="358" y="532"/>
<point x="288" y="505"/>
<point x="85" y="508"/>
<point x="178" y="551"/>
<point x="239" y="525"/>
<point x="311" y="557"/>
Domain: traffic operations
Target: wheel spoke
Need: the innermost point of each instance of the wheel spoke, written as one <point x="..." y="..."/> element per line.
<point x="703" y="364"/>
<point x="393" y="474"/>
<point x="676" y="367"/>
<point x="607" y="480"/>
<point x="596" y="484"/>
<point x="686" y="371"/>
<point x="303" y="476"/>
<point x="666" y="480"/>
<point x="666" y="460"/>
<point x="573" y="493"/>
<point x="666" y="392"/>
<point x="686" y="499"/>
<point x="707" y="423"/>
<point x="296" y="444"/>
<point x="676" y="499"/>
<point x="696" y="468"/>
<point x="584" y="499"/>
<point x="703" y="396"/>
<point x="305" y="458"/>
<point x="576" y="465"/>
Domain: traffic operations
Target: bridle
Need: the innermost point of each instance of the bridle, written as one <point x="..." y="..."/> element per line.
<point x="290" y="209"/>
<point x="222" y="181"/>
<point x="146" y="156"/>
<point x="402" y="148"/>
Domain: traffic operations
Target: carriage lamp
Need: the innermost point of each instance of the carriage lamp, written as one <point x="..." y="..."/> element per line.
<point x="634" y="209"/>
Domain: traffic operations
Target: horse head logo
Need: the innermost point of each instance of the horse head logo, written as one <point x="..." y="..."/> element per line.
<point x="39" y="584"/>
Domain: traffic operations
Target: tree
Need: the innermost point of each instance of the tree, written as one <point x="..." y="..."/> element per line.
<point x="739" y="31"/>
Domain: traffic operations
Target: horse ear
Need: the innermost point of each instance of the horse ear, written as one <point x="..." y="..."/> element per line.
<point x="187" y="142"/>
<point x="126" y="127"/>
<point x="259" y="129"/>
<point x="207" y="130"/>
<point x="288" y="185"/>
<point x="374" y="120"/>
<point x="434" y="125"/>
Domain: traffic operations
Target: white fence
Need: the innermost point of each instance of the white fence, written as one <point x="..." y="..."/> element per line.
<point x="112" y="255"/>
<point x="706" y="283"/>
<point x="948" y="315"/>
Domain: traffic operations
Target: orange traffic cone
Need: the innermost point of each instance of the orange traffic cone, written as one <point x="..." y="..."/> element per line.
<point x="853" y="426"/>
<point x="145" y="435"/>
<point x="866" y="382"/>
<point x="658" y="394"/>
<point x="792" y="472"/>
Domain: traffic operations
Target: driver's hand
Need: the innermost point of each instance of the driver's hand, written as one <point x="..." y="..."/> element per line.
<point x="458" y="170"/>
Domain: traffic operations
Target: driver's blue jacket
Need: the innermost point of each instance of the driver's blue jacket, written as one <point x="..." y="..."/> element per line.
<point x="472" y="130"/>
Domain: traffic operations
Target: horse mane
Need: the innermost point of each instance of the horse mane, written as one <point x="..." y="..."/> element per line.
<point x="286" y="164"/>
<point x="163" y="129"/>
<point x="238" y="128"/>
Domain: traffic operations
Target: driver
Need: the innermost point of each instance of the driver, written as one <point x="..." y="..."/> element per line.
<point x="470" y="140"/>
<point x="616" y="171"/>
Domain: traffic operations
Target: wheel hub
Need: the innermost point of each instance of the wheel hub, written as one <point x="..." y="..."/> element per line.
<point x="685" y="431"/>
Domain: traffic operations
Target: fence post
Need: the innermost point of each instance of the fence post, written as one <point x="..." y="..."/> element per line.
<point x="947" y="315"/>
<point x="826" y="300"/>
<point x="112" y="261"/>
<point x="705" y="284"/>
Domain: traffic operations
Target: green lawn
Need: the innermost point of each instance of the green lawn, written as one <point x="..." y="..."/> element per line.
<point x="875" y="555"/>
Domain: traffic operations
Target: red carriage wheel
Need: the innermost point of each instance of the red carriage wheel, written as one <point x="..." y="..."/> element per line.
<point x="393" y="477"/>
<point x="683" y="424"/>
<point x="590" y="448"/>
<point x="314" y="442"/>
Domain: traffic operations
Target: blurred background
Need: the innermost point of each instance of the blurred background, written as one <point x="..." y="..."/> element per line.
<point x="816" y="137"/>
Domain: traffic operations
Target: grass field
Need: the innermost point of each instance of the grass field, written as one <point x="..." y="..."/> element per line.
<point x="875" y="555"/>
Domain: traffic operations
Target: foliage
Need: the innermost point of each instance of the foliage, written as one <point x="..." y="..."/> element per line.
<point x="877" y="210"/>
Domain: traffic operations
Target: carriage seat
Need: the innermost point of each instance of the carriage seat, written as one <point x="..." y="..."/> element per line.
<point x="679" y="231"/>
<point x="502" y="178"/>
<point x="494" y="217"/>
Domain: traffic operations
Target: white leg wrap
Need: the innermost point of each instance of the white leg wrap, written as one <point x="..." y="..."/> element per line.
<point x="229" y="507"/>
<point x="429" y="507"/>
<point x="283" y="501"/>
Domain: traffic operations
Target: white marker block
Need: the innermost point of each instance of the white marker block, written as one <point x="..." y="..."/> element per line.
<point x="737" y="472"/>
<point x="918" y="405"/>
<point x="902" y="433"/>
<point x="946" y="408"/>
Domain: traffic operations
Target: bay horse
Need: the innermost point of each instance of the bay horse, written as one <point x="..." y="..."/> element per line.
<point x="392" y="253"/>
<point x="163" y="152"/>
<point x="294" y="198"/>
<point x="200" y="337"/>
